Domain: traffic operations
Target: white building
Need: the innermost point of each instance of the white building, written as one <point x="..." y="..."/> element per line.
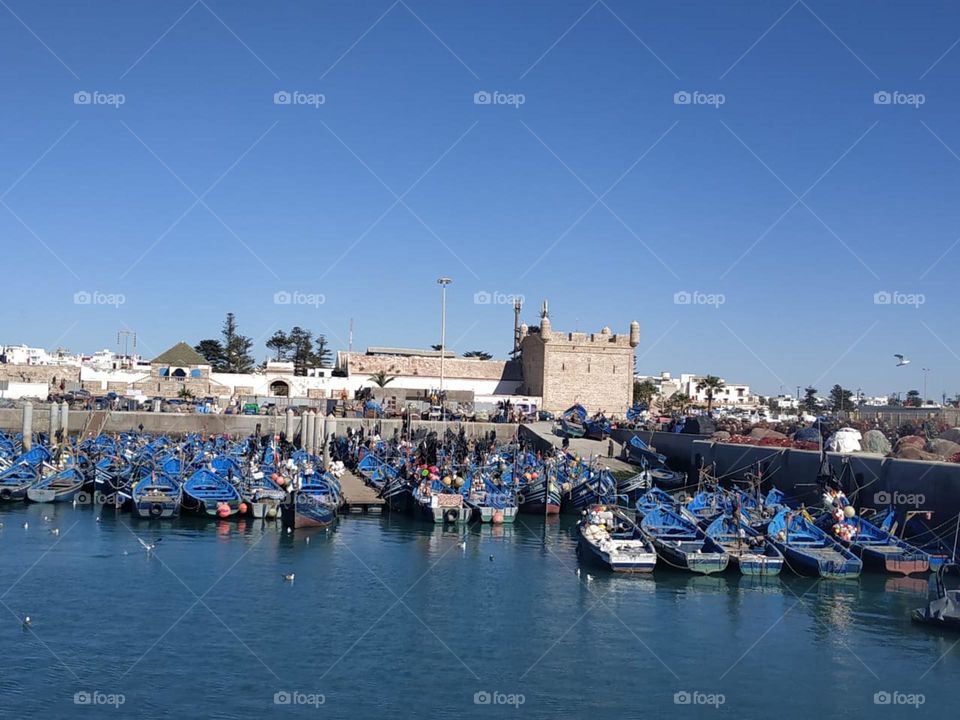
<point x="23" y="355"/>
<point x="731" y="395"/>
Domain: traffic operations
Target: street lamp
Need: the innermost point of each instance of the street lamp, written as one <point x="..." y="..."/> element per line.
<point x="443" y="282"/>
<point x="923" y="400"/>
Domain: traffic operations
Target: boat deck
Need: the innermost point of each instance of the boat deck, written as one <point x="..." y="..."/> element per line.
<point x="358" y="497"/>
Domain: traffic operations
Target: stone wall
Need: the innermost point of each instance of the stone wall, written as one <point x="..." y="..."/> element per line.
<point x="39" y="373"/>
<point x="361" y="364"/>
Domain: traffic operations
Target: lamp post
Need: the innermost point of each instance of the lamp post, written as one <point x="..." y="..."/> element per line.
<point x="923" y="400"/>
<point x="443" y="282"/>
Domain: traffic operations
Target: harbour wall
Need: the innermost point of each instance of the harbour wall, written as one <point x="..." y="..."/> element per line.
<point x="880" y="481"/>
<point x="11" y="420"/>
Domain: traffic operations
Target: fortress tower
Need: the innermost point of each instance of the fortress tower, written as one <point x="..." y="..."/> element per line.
<point x="594" y="369"/>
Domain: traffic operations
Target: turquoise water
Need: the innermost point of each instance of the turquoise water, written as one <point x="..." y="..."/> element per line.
<point x="388" y="617"/>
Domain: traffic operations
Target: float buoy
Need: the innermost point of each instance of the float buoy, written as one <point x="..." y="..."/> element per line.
<point x="497" y="517"/>
<point x="223" y="510"/>
<point x="451" y="515"/>
<point x="156" y="510"/>
<point x="243" y="508"/>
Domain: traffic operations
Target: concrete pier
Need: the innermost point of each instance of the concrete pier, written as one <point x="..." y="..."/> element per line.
<point x="358" y="497"/>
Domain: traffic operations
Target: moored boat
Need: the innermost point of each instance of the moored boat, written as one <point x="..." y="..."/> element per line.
<point x="808" y="550"/>
<point x="207" y="493"/>
<point x="750" y="552"/>
<point x="314" y="503"/>
<point x="681" y="544"/>
<point x="157" y="496"/>
<point x="608" y="537"/>
<point x="879" y="550"/>
<point x="61" y="486"/>
<point x="944" y="610"/>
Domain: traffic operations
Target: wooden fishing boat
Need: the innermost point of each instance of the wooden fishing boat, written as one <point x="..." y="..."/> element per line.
<point x="489" y="501"/>
<point x="262" y="495"/>
<point x="207" y="493"/>
<point x="609" y="538"/>
<point x="539" y="493"/>
<point x="572" y="422"/>
<point x="639" y="453"/>
<point x="313" y="504"/>
<point x="681" y="544"/>
<point x="157" y="496"/>
<point x="597" y="427"/>
<point x="808" y="550"/>
<point x="435" y="502"/>
<point x="879" y="550"/>
<point x="913" y="527"/>
<point x="631" y="488"/>
<point x="61" y="486"/>
<point x="585" y="487"/>
<point x="23" y="472"/>
<point x="750" y="552"/>
<point x="653" y="499"/>
<point x="944" y="610"/>
<point x="707" y="505"/>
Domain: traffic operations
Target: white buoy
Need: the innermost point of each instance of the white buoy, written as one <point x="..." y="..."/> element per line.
<point x="26" y="526"/>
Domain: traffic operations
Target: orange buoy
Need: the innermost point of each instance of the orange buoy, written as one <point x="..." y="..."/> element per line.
<point x="275" y="477"/>
<point x="280" y="480"/>
<point x="497" y="517"/>
<point x="223" y="510"/>
<point x="243" y="508"/>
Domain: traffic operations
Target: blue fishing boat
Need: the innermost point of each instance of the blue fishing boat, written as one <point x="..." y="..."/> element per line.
<point x="597" y="427"/>
<point x="610" y="538"/>
<point x="707" y="505"/>
<point x="490" y="501"/>
<point x="539" y="492"/>
<point x="750" y="552"/>
<point x="572" y="421"/>
<point x="157" y="496"/>
<point x="207" y="493"/>
<point x="23" y="472"/>
<point x="314" y="503"/>
<point x="879" y="550"/>
<point x="435" y="502"/>
<point x="681" y="544"/>
<point x="587" y="487"/>
<point x="808" y="550"/>
<point x="639" y="453"/>
<point x="631" y="488"/>
<point x="653" y="499"/>
<point x="61" y="486"/>
<point x="913" y="526"/>
<point x="112" y="480"/>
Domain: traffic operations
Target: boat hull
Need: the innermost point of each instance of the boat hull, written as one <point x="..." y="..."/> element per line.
<point x="308" y="511"/>
<point x="593" y="555"/>
<point x="683" y="559"/>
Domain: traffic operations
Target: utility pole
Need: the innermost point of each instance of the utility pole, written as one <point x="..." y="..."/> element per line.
<point x="443" y="282"/>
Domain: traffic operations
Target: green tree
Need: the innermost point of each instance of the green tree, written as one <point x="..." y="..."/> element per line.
<point x="213" y="351"/>
<point x="236" y="347"/>
<point x="185" y="394"/>
<point x="810" y="402"/>
<point x="712" y="384"/>
<point x="913" y="399"/>
<point x="478" y="354"/>
<point x="322" y="352"/>
<point x="841" y="399"/>
<point x="280" y="344"/>
<point x="643" y="391"/>
<point x="679" y="401"/>
<point x="301" y="350"/>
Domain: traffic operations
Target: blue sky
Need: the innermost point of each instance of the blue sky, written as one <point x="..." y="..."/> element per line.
<point x="781" y="208"/>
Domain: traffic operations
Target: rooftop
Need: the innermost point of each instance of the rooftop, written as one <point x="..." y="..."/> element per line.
<point x="181" y="355"/>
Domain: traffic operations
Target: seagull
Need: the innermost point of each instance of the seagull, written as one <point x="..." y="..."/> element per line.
<point x="149" y="547"/>
<point x="26" y="623"/>
<point x="26" y="526"/>
<point x="463" y="545"/>
<point x="491" y="558"/>
<point x="578" y="572"/>
<point x="901" y="360"/>
<point x="46" y="518"/>
<point x="308" y="541"/>
<point x="289" y="577"/>
<point x="55" y="531"/>
<point x="98" y="518"/>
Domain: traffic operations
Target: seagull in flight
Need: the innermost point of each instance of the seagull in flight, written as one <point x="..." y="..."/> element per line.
<point x="149" y="547"/>
<point x="901" y="360"/>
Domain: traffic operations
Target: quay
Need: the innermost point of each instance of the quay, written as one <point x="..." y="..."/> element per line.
<point x="358" y="497"/>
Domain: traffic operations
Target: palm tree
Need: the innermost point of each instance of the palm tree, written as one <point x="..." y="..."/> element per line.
<point x="185" y="394"/>
<point x="712" y="384"/>
<point x="679" y="400"/>
<point x="381" y="379"/>
<point x="478" y="354"/>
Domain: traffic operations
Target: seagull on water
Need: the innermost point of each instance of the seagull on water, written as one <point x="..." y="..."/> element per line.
<point x="26" y="526"/>
<point x="26" y="623"/>
<point x="463" y="545"/>
<point x="55" y="531"/>
<point x="901" y="360"/>
<point x="289" y="577"/>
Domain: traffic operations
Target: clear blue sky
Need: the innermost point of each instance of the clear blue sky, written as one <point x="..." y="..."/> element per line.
<point x="504" y="199"/>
